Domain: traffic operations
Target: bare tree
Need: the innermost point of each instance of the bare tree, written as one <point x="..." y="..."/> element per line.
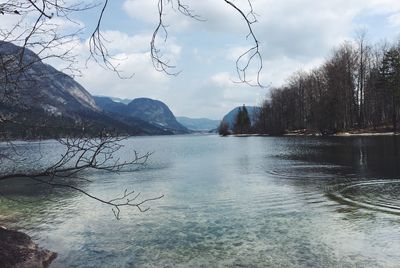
<point x="355" y="89"/>
<point x="363" y="58"/>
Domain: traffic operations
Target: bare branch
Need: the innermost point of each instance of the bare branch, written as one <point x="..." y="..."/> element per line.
<point x="47" y="9"/>
<point x="98" y="48"/>
<point x="83" y="154"/>
<point x="42" y="10"/>
<point x="116" y="204"/>
<point x="252" y="54"/>
<point x="242" y="63"/>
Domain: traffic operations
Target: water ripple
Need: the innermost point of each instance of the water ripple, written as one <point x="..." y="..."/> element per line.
<point x="308" y="171"/>
<point x="381" y="195"/>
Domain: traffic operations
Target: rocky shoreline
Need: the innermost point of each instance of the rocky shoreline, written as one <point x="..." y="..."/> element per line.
<point x="17" y="250"/>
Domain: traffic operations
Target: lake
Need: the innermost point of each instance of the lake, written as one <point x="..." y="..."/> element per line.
<point x="228" y="202"/>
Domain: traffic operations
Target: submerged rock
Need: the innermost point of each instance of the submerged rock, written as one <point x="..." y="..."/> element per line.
<point x="17" y="250"/>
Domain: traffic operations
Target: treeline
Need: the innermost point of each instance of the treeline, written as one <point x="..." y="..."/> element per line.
<point x="358" y="87"/>
<point x="241" y="124"/>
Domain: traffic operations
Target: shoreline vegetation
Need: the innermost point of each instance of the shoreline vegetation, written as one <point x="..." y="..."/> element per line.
<point x="242" y="127"/>
<point x="383" y="131"/>
<point x="355" y="91"/>
<point x="18" y="250"/>
<point x="358" y="133"/>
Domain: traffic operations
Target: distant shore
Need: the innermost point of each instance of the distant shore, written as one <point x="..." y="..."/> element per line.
<point x="311" y="133"/>
<point x="345" y="134"/>
<point x="366" y="134"/>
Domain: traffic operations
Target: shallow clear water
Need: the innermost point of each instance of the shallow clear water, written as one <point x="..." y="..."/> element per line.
<point x="246" y="202"/>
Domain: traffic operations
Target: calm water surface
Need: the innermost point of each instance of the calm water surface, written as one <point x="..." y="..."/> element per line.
<point x="229" y="202"/>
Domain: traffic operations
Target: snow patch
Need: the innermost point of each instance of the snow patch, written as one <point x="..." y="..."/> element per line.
<point x="51" y="110"/>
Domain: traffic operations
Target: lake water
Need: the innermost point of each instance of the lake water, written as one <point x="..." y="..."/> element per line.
<point x="229" y="202"/>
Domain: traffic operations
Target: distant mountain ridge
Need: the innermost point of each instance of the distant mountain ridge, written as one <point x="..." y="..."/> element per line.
<point x="116" y="99"/>
<point x="41" y="85"/>
<point x="198" y="124"/>
<point x="148" y="110"/>
<point x="38" y="101"/>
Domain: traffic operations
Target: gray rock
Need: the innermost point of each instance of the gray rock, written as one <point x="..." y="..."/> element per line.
<point x="17" y="250"/>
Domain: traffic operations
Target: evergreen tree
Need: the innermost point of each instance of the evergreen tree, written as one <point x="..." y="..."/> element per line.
<point x="242" y="122"/>
<point x="237" y="126"/>
<point x="390" y="78"/>
<point x="246" y="120"/>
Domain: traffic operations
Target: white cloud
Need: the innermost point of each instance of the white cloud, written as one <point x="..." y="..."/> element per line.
<point x="213" y="15"/>
<point x="230" y="93"/>
<point x="222" y="80"/>
<point x="145" y="82"/>
<point x="277" y="71"/>
<point x="294" y="34"/>
<point x="394" y="20"/>
<point x="122" y="42"/>
<point x="300" y="28"/>
<point x="142" y="10"/>
<point x="234" y="53"/>
<point x="131" y="56"/>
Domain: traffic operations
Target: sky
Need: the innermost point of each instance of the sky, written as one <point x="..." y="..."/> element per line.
<point x="294" y="35"/>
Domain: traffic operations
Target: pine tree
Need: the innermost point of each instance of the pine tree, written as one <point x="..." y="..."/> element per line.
<point x="242" y="122"/>
<point x="245" y="120"/>
<point x="390" y="78"/>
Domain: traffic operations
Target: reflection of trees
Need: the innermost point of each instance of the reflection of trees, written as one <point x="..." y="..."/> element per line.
<point x="360" y="157"/>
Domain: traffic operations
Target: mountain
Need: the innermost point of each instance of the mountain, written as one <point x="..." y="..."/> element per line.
<point x="198" y="124"/>
<point x="230" y="117"/>
<point x="118" y="100"/>
<point x="151" y="111"/>
<point x="38" y="101"/>
<point x="155" y="112"/>
<point x="120" y="112"/>
<point x="124" y="101"/>
<point x="109" y="105"/>
<point x="39" y="85"/>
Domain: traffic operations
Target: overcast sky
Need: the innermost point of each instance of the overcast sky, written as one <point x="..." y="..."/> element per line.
<point x="294" y="35"/>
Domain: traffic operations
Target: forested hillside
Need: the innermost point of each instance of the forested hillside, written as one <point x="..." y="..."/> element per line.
<point x="357" y="87"/>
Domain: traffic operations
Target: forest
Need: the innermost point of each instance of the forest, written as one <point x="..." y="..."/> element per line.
<point x="357" y="88"/>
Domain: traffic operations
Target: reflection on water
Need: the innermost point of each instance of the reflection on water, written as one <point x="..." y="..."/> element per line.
<point x="251" y="202"/>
